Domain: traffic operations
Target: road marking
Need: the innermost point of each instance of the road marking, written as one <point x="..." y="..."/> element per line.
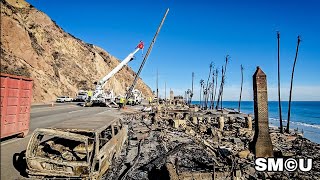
<point x="103" y="112"/>
<point x="14" y="140"/>
<point x="51" y="108"/>
<point x="75" y="111"/>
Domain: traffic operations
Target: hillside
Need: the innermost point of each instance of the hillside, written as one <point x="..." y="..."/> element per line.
<point x="33" y="45"/>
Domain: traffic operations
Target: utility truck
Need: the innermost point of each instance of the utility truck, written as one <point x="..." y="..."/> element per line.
<point x="135" y="98"/>
<point x="81" y="96"/>
<point x="100" y="96"/>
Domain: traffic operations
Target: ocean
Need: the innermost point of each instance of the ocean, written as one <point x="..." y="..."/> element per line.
<point x="305" y="115"/>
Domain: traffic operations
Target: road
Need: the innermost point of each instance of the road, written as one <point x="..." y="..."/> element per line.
<point x="43" y="116"/>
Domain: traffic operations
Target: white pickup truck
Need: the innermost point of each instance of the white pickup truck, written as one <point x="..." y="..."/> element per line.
<point x="64" y="99"/>
<point x="81" y="96"/>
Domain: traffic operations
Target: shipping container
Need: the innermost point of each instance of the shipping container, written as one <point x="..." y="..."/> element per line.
<point x="16" y="95"/>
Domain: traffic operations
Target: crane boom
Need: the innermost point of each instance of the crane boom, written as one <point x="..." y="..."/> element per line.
<point x="99" y="95"/>
<point x="104" y="80"/>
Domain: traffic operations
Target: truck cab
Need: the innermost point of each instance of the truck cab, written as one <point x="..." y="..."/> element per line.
<point x="81" y="96"/>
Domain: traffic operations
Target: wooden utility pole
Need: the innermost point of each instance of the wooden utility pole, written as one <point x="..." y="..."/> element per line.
<point x="290" y="95"/>
<point x="241" y="88"/>
<point x="279" y="96"/>
<point x="128" y="94"/>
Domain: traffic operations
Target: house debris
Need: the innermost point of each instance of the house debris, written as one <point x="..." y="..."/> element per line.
<point x="198" y="148"/>
<point x="173" y="141"/>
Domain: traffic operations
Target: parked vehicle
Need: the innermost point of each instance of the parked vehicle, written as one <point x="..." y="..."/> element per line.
<point x="76" y="148"/>
<point x="81" y="96"/>
<point x="16" y="95"/>
<point x="64" y="99"/>
<point x="135" y="98"/>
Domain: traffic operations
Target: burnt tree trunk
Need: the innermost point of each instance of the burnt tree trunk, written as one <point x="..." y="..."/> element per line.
<point x="279" y="96"/>
<point x="240" y="88"/>
<point x="207" y="88"/>
<point x="290" y="95"/>
<point x="215" y="88"/>
<point x="222" y="83"/>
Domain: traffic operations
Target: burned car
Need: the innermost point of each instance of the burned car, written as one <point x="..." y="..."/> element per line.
<point x="81" y="148"/>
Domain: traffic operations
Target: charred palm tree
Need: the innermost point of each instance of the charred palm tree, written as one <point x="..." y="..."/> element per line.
<point x="279" y="97"/>
<point x="207" y="86"/>
<point x="220" y="90"/>
<point x="240" y="88"/>
<point x="186" y="97"/>
<point x="223" y="73"/>
<point x="191" y="94"/>
<point x="290" y="95"/>
<point x="201" y="86"/>
<point x="215" y="88"/>
<point x="212" y="91"/>
<point x="204" y="95"/>
<point x="221" y="93"/>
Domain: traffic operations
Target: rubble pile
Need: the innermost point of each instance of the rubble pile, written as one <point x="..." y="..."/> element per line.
<point x="181" y="143"/>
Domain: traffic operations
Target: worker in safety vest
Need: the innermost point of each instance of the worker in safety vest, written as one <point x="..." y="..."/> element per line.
<point x="121" y="102"/>
<point x="89" y="95"/>
<point x="150" y="100"/>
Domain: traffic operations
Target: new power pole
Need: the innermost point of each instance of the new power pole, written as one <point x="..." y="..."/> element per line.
<point x="146" y="57"/>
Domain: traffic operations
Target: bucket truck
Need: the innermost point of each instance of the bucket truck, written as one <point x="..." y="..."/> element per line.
<point x="135" y="98"/>
<point x="99" y="95"/>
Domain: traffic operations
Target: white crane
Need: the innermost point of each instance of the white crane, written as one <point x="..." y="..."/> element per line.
<point x="99" y="96"/>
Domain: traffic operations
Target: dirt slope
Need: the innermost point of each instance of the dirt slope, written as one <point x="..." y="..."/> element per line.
<point x="60" y="64"/>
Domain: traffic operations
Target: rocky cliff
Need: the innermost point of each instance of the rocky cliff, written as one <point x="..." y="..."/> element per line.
<point x="33" y="45"/>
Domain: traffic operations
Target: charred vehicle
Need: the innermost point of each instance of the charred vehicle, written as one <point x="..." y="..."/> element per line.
<point x="81" y="148"/>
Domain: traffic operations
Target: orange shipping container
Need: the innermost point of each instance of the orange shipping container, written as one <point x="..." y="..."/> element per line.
<point x="16" y="95"/>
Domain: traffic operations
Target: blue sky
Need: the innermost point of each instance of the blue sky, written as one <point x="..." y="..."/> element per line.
<point x="198" y="32"/>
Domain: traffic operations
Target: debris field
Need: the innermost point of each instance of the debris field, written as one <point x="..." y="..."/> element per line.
<point x="178" y="142"/>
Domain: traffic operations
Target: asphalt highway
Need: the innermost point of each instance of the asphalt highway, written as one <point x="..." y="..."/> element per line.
<point x="42" y="116"/>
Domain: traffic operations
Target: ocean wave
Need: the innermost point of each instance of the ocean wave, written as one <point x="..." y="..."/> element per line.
<point x="317" y="126"/>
